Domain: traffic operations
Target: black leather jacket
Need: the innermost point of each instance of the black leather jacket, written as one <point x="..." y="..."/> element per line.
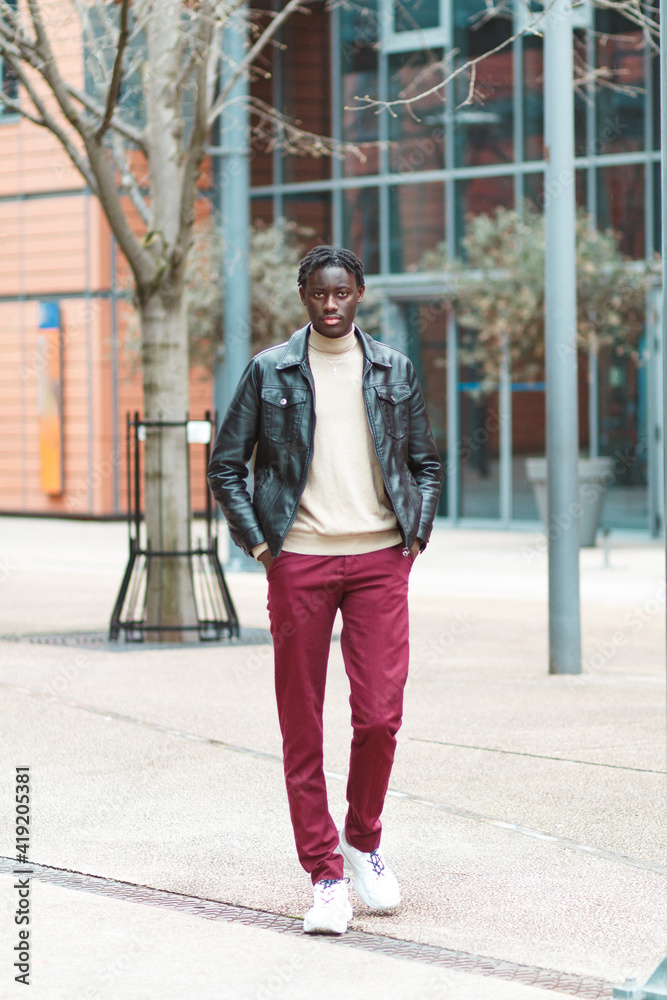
<point x="273" y="410"/>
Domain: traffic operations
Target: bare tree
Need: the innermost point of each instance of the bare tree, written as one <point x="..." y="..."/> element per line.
<point x="137" y="133"/>
<point x="642" y="14"/>
<point x="137" y="136"/>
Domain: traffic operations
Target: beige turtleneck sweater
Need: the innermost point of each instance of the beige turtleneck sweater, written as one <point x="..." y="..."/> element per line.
<point x="344" y="509"/>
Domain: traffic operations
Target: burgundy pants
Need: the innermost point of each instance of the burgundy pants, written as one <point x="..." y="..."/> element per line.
<point x="304" y="594"/>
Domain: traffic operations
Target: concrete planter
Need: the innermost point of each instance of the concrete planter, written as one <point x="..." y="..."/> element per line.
<point x="595" y="475"/>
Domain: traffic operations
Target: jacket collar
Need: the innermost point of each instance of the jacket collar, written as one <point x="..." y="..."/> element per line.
<point x="296" y="349"/>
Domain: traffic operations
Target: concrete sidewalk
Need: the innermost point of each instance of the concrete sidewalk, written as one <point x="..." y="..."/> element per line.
<point x="526" y="818"/>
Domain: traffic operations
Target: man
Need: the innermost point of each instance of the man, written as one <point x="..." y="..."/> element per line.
<point x="346" y="484"/>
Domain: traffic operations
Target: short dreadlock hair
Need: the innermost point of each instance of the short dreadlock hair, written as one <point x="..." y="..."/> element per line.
<point x="326" y="256"/>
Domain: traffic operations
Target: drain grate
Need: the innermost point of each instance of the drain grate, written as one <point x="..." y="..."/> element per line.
<point x="529" y="975"/>
<point x="100" y="641"/>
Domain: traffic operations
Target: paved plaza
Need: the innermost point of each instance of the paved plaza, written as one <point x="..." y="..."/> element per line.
<point x="525" y="820"/>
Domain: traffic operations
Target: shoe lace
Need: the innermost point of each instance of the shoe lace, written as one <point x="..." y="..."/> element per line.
<point x="326" y="888"/>
<point x="376" y="862"/>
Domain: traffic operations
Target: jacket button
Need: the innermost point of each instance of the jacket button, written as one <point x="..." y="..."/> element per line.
<point x="393" y="399"/>
<point x="283" y="402"/>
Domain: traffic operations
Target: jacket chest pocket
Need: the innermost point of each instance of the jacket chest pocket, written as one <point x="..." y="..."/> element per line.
<point x="282" y="409"/>
<point x="394" y="401"/>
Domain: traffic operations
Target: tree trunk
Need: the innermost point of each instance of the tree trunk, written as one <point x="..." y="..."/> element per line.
<point x="170" y="594"/>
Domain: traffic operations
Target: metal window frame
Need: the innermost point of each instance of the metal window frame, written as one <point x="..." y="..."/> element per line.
<point x="397" y="287"/>
<point x="392" y="41"/>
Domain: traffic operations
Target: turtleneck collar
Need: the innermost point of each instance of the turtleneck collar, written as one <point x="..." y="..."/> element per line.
<point x="331" y="345"/>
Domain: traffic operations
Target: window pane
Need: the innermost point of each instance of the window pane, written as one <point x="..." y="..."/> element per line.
<point x="581" y="101"/>
<point x="478" y="448"/>
<point x="619" y="123"/>
<point x="416" y="223"/>
<point x="359" y="76"/>
<point x="417" y="136"/>
<point x="261" y="211"/>
<point x="623" y="435"/>
<point x="426" y="324"/>
<point x="533" y="187"/>
<point x="9" y="83"/>
<point x="484" y="129"/>
<point x="657" y="211"/>
<point x="360" y="226"/>
<point x="621" y="205"/>
<point x="99" y="54"/>
<point x="654" y="83"/>
<point x="533" y="102"/>
<point x="312" y="212"/>
<point x="306" y="87"/>
<point x="411" y="15"/>
<point x="482" y="195"/>
<point x="533" y="190"/>
<point x="528" y="441"/>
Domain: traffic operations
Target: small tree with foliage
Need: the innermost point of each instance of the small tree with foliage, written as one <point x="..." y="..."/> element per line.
<point x="136" y="132"/>
<point x="499" y="292"/>
<point x="276" y="310"/>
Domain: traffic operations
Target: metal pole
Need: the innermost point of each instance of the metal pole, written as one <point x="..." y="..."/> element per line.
<point x="593" y="395"/>
<point x="505" y="438"/>
<point x="234" y="178"/>
<point x="453" y="421"/>
<point x="561" y="346"/>
<point x="663" y="189"/>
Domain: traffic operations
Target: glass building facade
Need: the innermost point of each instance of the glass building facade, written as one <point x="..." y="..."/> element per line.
<point x="426" y="169"/>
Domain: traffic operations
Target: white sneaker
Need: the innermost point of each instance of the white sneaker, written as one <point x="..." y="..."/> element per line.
<point x="331" y="909"/>
<point x="374" y="883"/>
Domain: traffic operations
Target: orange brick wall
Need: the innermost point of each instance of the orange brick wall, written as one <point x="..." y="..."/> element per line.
<point x="55" y="244"/>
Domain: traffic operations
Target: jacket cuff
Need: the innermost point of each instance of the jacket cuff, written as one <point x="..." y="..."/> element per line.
<point x="424" y="532"/>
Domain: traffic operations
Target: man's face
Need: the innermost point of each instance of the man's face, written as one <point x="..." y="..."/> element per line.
<point x="331" y="297"/>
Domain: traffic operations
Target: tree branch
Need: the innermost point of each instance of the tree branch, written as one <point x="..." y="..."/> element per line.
<point x="631" y="9"/>
<point x="196" y="144"/>
<point x="12" y="105"/>
<point x="140" y="260"/>
<point x="49" y="122"/>
<point x="99" y="171"/>
<point x="293" y="139"/>
<point x="48" y="68"/>
<point x="471" y="65"/>
<point x="117" y="74"/>
<point x="117" y="124"/>
<point x="15" y="40"/>
<point x="129" y="182"/>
